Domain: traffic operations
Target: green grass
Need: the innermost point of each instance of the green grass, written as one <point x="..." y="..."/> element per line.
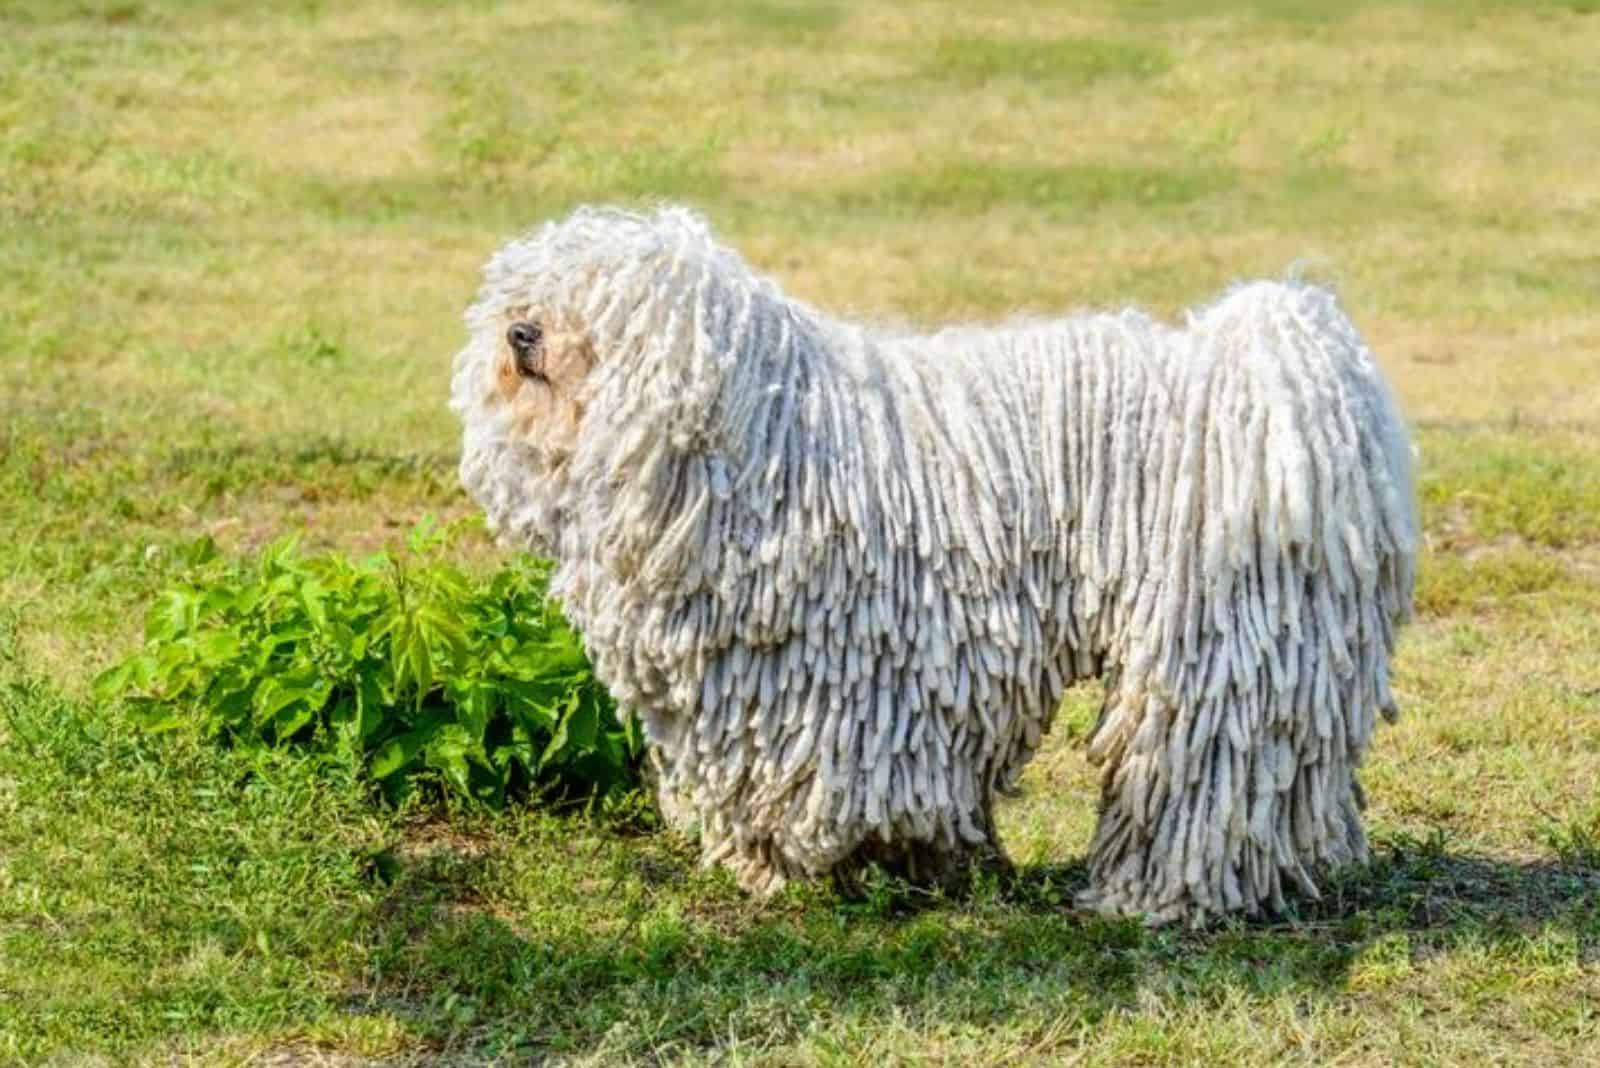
<point x="974" y="187"/>
<point x="1540" y="486"/>
<point x="1070" y="61"/>
<point x="238" y="239"/>
<point x="174" y="900"/>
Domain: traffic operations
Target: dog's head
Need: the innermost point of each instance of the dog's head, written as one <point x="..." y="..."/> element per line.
<point x="523" y="377"/>
<point x="576" y="333"/>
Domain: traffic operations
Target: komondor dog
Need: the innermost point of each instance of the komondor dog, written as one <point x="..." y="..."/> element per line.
<point x="844" y="574"/>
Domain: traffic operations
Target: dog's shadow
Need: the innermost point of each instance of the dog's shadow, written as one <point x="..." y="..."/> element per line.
<point x="682" y="961"/>
<point x="1409" y="885"/>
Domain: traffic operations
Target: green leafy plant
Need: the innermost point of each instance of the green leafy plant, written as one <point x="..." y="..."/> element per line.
<point x="401" y="663"/>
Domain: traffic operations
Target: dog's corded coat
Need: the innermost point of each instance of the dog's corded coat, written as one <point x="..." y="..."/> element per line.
<point x="844" y="575"/>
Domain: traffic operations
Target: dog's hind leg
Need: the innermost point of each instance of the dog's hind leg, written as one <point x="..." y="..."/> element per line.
<point x="1223" y="802"/>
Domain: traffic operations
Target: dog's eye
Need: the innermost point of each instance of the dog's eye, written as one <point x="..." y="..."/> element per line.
<point x="527" y="349"/>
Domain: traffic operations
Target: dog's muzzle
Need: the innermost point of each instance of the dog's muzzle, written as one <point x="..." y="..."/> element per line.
<point x="527" y="349"/>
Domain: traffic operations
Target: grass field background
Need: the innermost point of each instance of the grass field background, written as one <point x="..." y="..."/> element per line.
<point x="235" y="241"/>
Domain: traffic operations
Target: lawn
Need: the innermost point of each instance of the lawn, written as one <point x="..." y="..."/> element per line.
<point x="235" y="242"/>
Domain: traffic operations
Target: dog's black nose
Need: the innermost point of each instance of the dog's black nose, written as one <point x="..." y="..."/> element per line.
<point x="523" y="337"/>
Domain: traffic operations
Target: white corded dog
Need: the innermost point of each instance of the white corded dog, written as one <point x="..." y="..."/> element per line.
<point x="844" y="575"/>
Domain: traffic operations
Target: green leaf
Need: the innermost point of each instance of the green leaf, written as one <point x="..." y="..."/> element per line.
<point x="112" y="682"/>
<point x="371" y="705"/>
<point x="559" y="741"/>
<point x="291" y="719"/>
<point x="216" y="647"/>
<point x="535" y="707"/>
<point x="584" y="723"/>
<point x="397" y="754"/>
<point x="575" y="733"/>
<point x="312" y="595"/>
<point x="474" y="703"/>
<point x="275" y="695"/>
<point x="171" y="614"/>
<point x="231" y="709"/>
<point x="449" y="751"/>
<point x="154" y="716"/>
